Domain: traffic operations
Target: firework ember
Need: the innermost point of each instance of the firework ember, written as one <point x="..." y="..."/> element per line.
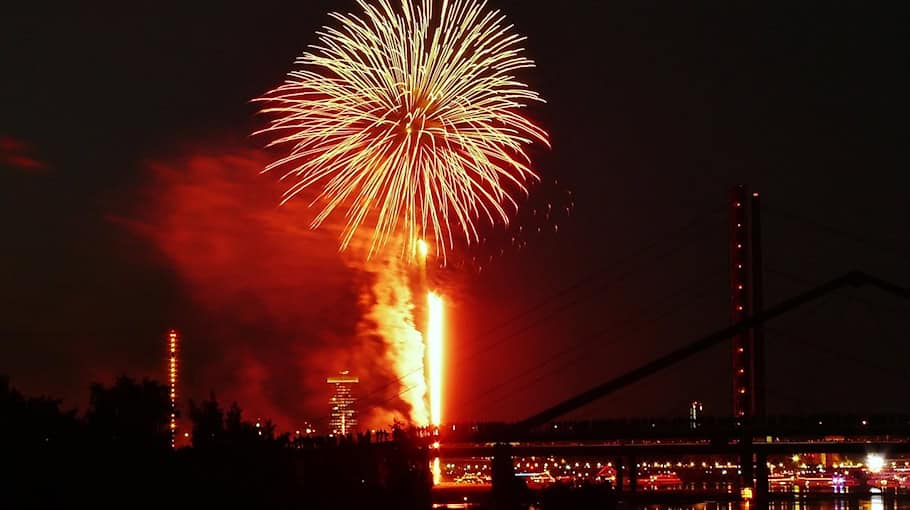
<point x="410" y="120"/>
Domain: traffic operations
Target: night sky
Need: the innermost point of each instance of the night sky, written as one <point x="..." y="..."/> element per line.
<point x="130" y="203"/>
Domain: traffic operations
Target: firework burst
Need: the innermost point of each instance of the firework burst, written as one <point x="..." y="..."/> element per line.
<point x="409" y="120"/>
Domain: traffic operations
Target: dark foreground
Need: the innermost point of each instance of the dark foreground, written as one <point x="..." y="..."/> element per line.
<point x="381" y="476"/>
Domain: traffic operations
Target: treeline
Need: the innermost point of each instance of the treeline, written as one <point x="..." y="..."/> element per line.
<point x="128" y="414"/>
<point x="119" y="455"/>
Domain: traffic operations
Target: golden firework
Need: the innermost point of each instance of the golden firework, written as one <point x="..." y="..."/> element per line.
<point x="409" y="119"/>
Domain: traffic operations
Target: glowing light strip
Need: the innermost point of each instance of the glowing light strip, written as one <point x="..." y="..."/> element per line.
<point x="172" y="376"/>
<point x="435" y="307"/>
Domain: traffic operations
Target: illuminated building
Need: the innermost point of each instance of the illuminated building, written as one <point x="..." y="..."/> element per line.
<point x="342" y="404"/>
<point x="695" y="410"/>
<point x="172" y="383"/>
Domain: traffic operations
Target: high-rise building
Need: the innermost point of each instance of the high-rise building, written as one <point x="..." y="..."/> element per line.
<point x="695" y="410"/>
<point x="343" y="404"/>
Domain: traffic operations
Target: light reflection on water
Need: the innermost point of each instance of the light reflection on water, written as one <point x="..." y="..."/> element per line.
<point x="875" y="503"/>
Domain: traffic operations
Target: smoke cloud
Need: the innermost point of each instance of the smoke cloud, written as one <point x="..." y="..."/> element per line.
<point x="274" y="307"/>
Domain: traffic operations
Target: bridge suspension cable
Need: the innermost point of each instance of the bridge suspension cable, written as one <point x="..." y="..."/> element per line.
<point x="683" y="239"/>
<point x="854" y="279"/>
<point x="625" y="328"/>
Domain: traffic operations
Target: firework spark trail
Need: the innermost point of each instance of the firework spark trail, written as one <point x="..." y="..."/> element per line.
<point x="410" y="120"/>
<point x="435" y="355"/>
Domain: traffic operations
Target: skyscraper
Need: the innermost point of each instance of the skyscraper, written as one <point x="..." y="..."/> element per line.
<point x="695" y="410"/>
<point x="342" y="404"/>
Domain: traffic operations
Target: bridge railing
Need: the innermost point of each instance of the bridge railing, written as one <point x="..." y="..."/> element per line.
<point x="808" y="427"/>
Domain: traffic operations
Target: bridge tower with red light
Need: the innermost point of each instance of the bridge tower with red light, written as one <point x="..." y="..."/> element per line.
<point x="746" y="296"/>
<point x="740" y="302"/>
<point x="746" y="300"/>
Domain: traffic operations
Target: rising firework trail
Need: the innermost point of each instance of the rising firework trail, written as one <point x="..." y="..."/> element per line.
<point x="433" y="337"/>
<point x="435" y="353"/>
<point x="408" y="118"/>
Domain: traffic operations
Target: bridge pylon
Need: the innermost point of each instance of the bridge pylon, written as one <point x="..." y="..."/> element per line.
<point x="746" y="300"/>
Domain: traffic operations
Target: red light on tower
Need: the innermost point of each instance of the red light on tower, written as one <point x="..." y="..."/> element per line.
<point x="172" y="383"/>
<point x="740" y="299"/>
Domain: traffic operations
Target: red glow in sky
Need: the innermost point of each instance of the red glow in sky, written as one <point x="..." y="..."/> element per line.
<point x="18" y="153"/>
<point x="279" y="310"/>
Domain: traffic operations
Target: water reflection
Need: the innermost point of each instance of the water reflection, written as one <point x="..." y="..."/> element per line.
<point x="875" y="503"/>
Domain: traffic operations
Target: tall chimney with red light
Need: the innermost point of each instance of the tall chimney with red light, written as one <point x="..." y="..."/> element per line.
<point x="172" y="350"/>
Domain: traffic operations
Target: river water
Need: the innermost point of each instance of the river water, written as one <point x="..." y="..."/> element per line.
<point x="875" y="503"/>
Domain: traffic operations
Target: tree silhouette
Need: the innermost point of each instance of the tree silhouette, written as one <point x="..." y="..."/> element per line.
<point x="213" y="428"/>
<point x="208" y="423"/>
<point x="240" y="434"/>
<point x="122" y="448"/>
<point x="130" y="414"/>
<point x="33" y="421"/>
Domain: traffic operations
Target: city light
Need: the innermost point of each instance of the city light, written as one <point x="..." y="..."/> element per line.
<point x="746" y="493"/>
<point x="437" y="471"/>
<point x="435" y="320"/>
<point x="342" y="404"/>
<point x="718" y="474"/>
<point x="875" y="462"/>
